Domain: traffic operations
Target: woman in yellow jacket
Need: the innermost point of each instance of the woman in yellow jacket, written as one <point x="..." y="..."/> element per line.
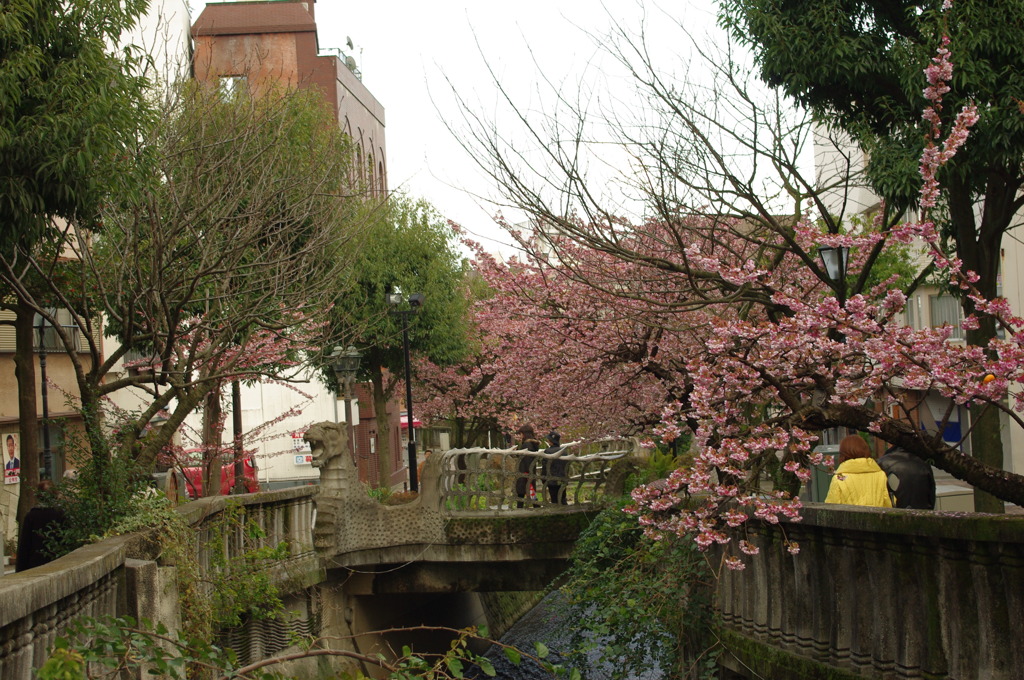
<point x="858" y="480"/>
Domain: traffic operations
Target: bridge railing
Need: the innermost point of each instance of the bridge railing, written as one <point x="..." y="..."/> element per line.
<point x="238" y="525"/>
<point x="873" y="593"/>
<point x="482" y="479"/>
<point x="125" y="575"/>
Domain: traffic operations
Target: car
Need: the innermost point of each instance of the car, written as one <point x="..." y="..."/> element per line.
<point x="194" y="478"/>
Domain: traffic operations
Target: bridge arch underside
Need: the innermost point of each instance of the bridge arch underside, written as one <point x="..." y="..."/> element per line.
<point x="451" y="569"/>
<point x="381" y="593"/>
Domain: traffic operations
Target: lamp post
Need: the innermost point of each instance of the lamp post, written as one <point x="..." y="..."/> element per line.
<point x="415" y="301"/>
<point x="47" y="463"/>
<point x="835" y="259"/>
<point x="346" y="365"/>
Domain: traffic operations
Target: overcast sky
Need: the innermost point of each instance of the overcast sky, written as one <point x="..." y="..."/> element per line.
<point x="407" y="50"/>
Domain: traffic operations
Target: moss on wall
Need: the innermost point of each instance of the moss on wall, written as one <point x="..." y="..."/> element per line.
<point x="539" y="528"/>
<point x="504" y="609"/>
<point x="751" y="659"/>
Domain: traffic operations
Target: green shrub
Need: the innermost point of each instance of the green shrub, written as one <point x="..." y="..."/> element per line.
<point x="638" y="602"/>
<point x="378" y="493"/>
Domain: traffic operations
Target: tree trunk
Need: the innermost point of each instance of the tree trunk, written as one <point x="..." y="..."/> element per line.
<point x="236" y="429"/>
<point x="459" y="430"/>
<point x="100" y="454"/>
<point x="213" y="431"/>
<point x="28" y="418"/>
<point x="186" y="401"/>
<point x="380" y="408"/>
<point x="978" y="246"/>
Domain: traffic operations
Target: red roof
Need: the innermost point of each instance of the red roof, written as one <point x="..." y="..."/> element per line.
<point x="235" y="18"/>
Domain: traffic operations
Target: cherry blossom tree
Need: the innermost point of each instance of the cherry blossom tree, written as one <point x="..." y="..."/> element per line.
<point x="732" y="329"/>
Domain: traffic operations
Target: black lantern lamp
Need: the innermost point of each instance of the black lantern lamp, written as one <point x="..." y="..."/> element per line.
<point x="346" y="365"/>
<point x="415" y="301"/>
<point x="834" y="259"/>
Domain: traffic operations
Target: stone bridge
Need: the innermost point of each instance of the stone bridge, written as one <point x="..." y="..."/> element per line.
<point x="873" y="594"/>
<point x="467" y="530"/>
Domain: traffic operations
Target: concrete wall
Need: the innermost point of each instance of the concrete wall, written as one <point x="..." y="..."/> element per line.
<point x="95" y="580"/>
<point x="878" y="594"/>
<point x="123" y="576"/>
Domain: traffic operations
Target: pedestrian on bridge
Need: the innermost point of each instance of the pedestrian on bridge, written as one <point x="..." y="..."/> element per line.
<point x="527" y="442"/>
<point x="555" y="469"/>
<point x="911" y="480"/>
<point x="858" y="480"/>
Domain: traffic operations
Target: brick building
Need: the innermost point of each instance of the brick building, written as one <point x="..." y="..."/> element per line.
<point x="273" y="43"/>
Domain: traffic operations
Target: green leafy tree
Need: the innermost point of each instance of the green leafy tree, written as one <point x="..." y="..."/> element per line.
<point x="69" y="105"/>
<point x="410" y="248"/>
<point x="217" y="268"/>
<point x="856" y="65"/>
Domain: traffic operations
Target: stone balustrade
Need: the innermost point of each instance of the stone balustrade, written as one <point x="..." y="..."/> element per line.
<point x="286" y="515"/>
<point x="125" y="575"/>
<point x="878" y="594"/>
<point x="480" y="479"/>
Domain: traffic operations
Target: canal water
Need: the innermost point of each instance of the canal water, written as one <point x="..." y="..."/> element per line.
<point x="549" y="624"/>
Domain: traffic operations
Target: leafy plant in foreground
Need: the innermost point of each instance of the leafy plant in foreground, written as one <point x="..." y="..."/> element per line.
<point x="102" y="647"/>
<point x="640" y="602"/>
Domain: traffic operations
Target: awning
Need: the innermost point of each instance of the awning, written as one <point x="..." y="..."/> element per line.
<point x="404" y="421"/>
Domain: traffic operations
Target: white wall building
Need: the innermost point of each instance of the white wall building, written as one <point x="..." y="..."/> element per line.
<point x="836" y="158"/>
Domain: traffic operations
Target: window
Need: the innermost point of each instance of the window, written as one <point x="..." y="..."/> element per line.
<point x="232" y="86"/>
<point x="945" y="311"/>
<point x="51" y="341"/>
<point x="912" y="313"/>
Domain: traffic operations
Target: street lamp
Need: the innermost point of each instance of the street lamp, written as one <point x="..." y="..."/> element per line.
<point x="415" y="301"/>
<point x="834" y="259"/>
<point x="47" y="462"/>
<point x="346" y="365"/>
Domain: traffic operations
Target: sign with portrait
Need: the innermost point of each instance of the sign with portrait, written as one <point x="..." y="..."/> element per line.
<point x="12" y="457"/>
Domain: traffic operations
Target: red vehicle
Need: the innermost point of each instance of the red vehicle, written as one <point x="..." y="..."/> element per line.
<point x="194" y="478"/>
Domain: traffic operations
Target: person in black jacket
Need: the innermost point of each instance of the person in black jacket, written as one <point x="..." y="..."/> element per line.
<point x="555" y="469"/>
<point x="911" y="480"/>
<point x="527" y="442"/>
<point x="37" y="528"/>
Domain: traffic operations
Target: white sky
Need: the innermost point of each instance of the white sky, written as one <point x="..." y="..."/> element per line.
<point x="406" y="49"/>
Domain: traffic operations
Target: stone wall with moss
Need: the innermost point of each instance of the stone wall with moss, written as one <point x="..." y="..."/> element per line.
<point x="502" y="610"/>
<point x="877" y="593"/>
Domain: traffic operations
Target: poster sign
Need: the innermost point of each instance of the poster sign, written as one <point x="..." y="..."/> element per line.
<point x="300" y="444"/>
<point x="12" y="458"/>
<point x="304" y="459"/>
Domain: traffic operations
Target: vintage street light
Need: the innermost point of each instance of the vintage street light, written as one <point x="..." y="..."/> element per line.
<point x="47" y="462"/>
<point x="834" y="259"/>
<point x="415" y="301"/>
<point x="346" y="365"/>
